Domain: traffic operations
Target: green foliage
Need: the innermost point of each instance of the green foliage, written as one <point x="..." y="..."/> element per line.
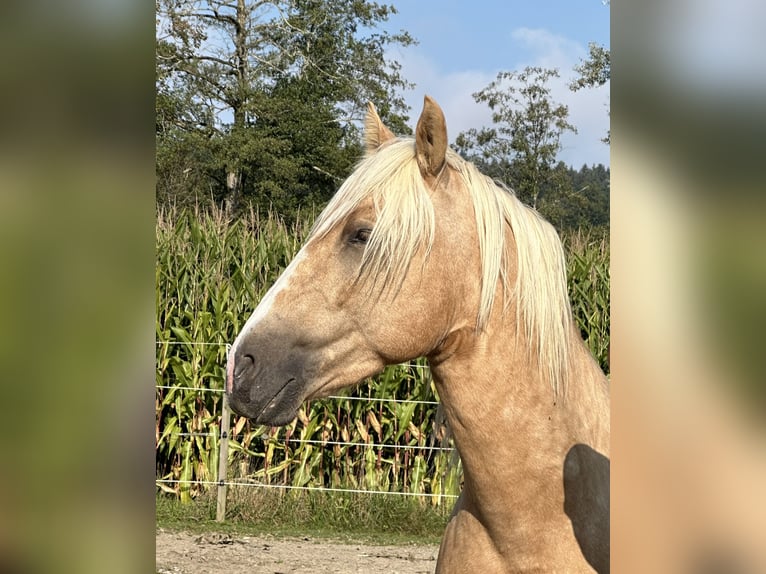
<point x="577" y="199"/>
<point x="210" y="272"/>
<point x="588" y="282"/>
<point x="521" y="147"/>
<point x="527" y="131"/>
<point x="593" y="72"/>
<point x="297" y="153"/>
<point x="257" y="102"/>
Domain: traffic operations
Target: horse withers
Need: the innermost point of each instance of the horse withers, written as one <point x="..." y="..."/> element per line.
<point x="419" y="254"/>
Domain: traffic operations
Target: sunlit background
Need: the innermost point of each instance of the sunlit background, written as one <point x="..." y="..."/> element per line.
<point x="689" y="277"/>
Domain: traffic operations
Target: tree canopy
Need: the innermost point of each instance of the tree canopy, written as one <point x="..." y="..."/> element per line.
<point x="259" y="101"/>
<point x="593" y="72"/>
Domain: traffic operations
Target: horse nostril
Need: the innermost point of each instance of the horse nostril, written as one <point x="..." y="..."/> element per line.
<point x="244" y="364"/>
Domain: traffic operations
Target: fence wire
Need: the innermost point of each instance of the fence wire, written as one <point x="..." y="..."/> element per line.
<point x="311" y="488"/>
<point x="285" y="443"/>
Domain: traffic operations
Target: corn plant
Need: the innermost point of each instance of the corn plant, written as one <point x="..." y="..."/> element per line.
<point x="211" y="271"/>
<point x="588" y="282"/>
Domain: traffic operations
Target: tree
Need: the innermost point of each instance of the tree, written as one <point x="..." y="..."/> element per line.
<point x="593" y="72"/>
<point x="232" y="74"/>
<point x="578" y="198"/>
<point x="526" y="137"/>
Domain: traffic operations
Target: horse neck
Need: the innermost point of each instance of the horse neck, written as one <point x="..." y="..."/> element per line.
<point x="504" y="416"/>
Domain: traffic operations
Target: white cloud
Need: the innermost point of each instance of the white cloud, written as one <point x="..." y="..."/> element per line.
<point x="587" y="108"/>
<point x="548" y="50"/>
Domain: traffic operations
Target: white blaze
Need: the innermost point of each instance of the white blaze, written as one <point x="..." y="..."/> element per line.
<point x="263" y="308"/>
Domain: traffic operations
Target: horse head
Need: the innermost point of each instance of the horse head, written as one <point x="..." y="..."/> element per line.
<point x="386" y="275"/>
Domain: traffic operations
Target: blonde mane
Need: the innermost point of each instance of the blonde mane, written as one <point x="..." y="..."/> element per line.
<point x="405" y="223"/>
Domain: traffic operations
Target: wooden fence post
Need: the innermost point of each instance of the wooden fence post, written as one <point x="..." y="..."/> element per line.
<point x="223" y="460"/>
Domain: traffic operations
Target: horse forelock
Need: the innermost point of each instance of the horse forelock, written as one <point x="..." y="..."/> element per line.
<point x="404" y="222"/>
<point x="405" y="225"/>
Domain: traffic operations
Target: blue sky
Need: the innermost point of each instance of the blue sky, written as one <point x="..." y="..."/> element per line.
<point x="464" y="44"/>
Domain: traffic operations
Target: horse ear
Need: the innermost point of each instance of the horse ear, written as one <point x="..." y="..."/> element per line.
<point x="375" y="133"/>
<point x="431" y="139"/>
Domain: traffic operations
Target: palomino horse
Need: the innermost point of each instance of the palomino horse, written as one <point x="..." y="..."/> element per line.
<point x="418" y="254"/>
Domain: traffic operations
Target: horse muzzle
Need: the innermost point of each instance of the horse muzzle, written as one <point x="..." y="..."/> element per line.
<point x="261" y="390"/>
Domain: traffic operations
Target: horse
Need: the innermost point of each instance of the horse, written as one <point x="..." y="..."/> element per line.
<point x="418" y="254"/>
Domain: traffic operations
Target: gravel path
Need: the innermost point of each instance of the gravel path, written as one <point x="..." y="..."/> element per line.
<point x="184" y="553"/>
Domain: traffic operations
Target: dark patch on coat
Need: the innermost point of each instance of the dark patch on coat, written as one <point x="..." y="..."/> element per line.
<point x="586" y="503"/>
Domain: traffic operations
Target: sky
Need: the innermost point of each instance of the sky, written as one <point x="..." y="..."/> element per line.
<point x="464" y="44"/>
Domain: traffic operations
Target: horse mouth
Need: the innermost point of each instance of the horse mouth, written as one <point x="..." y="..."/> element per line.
<point x="278" y="410"/>
<point x="273" y="403"/>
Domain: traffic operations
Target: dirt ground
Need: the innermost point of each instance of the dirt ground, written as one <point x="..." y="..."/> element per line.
<point x="184" y="553"/>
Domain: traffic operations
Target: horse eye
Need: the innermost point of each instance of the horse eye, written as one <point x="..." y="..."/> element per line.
<point x="361" y="236"/>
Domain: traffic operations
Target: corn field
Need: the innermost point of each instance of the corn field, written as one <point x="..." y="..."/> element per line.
<point x="210" y="273"/>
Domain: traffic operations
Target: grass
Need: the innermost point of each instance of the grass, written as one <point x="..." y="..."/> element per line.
<point x="372" y="519"/>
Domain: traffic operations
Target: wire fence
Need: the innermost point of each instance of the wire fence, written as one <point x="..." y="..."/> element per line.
<point x="304" y="488"/>
<point x="222" y="481"/>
